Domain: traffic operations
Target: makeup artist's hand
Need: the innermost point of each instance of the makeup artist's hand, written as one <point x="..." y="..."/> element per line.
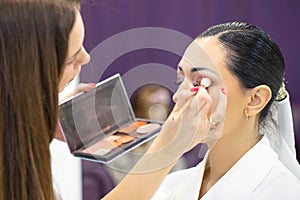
<point x="188" y="123"/>
<point x="82" y="87"/>
<point x="191" y="115"/>
<point x="178" y="135"/>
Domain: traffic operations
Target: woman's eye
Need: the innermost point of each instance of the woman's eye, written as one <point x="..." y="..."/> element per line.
<point x="179" y="79"/>
<point x="202" y="81"/>
<point x="197" y="81"/>
<point x="178" y="82"/>
<point x="72" y="62"/>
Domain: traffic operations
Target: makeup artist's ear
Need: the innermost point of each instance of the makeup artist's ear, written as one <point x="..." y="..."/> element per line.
<point x="258" y="99"/>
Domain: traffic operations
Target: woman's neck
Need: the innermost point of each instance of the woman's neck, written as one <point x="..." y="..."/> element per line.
<point x="226" y="152"/>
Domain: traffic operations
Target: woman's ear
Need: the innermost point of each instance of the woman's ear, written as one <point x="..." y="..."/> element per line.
<point x="258" y="99"/>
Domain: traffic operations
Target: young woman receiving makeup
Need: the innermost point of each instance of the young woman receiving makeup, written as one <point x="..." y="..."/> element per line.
<point x="250" y="140"/>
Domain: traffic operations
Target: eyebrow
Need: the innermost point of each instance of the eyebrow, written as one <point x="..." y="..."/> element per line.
<point x="74" y="55"/>
<point x="196" y="69"/>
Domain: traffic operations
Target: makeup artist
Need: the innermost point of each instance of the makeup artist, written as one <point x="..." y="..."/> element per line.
<point x="40" y="52"/>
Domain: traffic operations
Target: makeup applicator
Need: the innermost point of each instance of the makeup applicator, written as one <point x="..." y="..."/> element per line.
<point x="205" y="82"/>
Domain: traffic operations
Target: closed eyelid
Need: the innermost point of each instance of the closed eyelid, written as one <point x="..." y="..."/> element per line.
<point x="179" y="77"/>
<point x="73" y="58"/>
<point x="197" y="73"/>
<point x="206" y="73"/>
<point x="70" y="62"/>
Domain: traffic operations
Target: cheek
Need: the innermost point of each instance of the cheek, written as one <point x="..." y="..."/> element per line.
<point x="77" y="69"/>
<point x="71" y="71"/>
<point x="234" y="102"/>
<point x="234" y="111"/>
<point x="63" y="81"/>
<point x="68" y="74"/>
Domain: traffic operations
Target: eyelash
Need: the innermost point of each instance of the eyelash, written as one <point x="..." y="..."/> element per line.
<point x="71" y="63"/>
<point x="197" y="80"/>
<point x="197" y="83"/>
<point x="177" y="82"/>
<point x="179" y="79"/>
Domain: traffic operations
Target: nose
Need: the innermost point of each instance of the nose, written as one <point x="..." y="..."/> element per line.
<point x="85" y="56"/>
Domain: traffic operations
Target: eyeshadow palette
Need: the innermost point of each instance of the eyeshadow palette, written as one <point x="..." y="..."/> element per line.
<point x="100" y="125"/>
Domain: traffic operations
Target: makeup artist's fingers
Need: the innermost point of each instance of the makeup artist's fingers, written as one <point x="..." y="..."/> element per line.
<point x="219" y="114"/>
<point x="201" y="103"/>
<point x="202" y="115"/>
<point x="188" y="126"/>
<point x="180" y="98"/>
<point x="195" y="119"/>
<point x="217" y="118"/>
<point x="198" y="104"/>
<point x="84" y="87"/>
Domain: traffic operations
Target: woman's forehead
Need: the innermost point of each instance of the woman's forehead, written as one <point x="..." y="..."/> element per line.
<point x="205" y="53"/>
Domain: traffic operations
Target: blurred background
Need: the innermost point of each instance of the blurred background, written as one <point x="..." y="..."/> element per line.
<point x="106" y="21"/>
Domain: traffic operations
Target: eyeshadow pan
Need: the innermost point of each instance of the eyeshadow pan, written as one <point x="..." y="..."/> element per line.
<point x="106" y="143"/>
<point x="129" y="129"/>
<point x="102" y="152"/>
<point x="147" y="128"/>
<point x="140" y="123"/>
<point x="123" y="140"/>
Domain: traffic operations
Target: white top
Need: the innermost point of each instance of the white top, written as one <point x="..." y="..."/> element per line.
<point x="259" y="174"/>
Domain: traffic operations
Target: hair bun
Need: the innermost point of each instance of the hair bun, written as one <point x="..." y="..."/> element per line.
<point x="281" y="93"/>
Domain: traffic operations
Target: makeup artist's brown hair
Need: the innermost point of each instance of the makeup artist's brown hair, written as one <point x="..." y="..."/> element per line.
<point x="33" y="47"/>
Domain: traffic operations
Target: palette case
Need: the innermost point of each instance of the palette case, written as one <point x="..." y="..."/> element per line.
<point x="100" y="125"/>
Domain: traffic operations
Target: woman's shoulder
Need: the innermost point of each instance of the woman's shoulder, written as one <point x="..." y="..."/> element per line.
<point x="185" y="173"/>
<point x="281" y="176"/>
<point x="280" y="183"/>
<point x="178" y="181"/>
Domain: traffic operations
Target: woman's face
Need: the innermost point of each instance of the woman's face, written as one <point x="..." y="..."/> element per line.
<point x="206" y="58"/>
<point x="77" y="55"/>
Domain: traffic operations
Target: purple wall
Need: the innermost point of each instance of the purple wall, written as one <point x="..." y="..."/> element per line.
<point x="105" y="18"/>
